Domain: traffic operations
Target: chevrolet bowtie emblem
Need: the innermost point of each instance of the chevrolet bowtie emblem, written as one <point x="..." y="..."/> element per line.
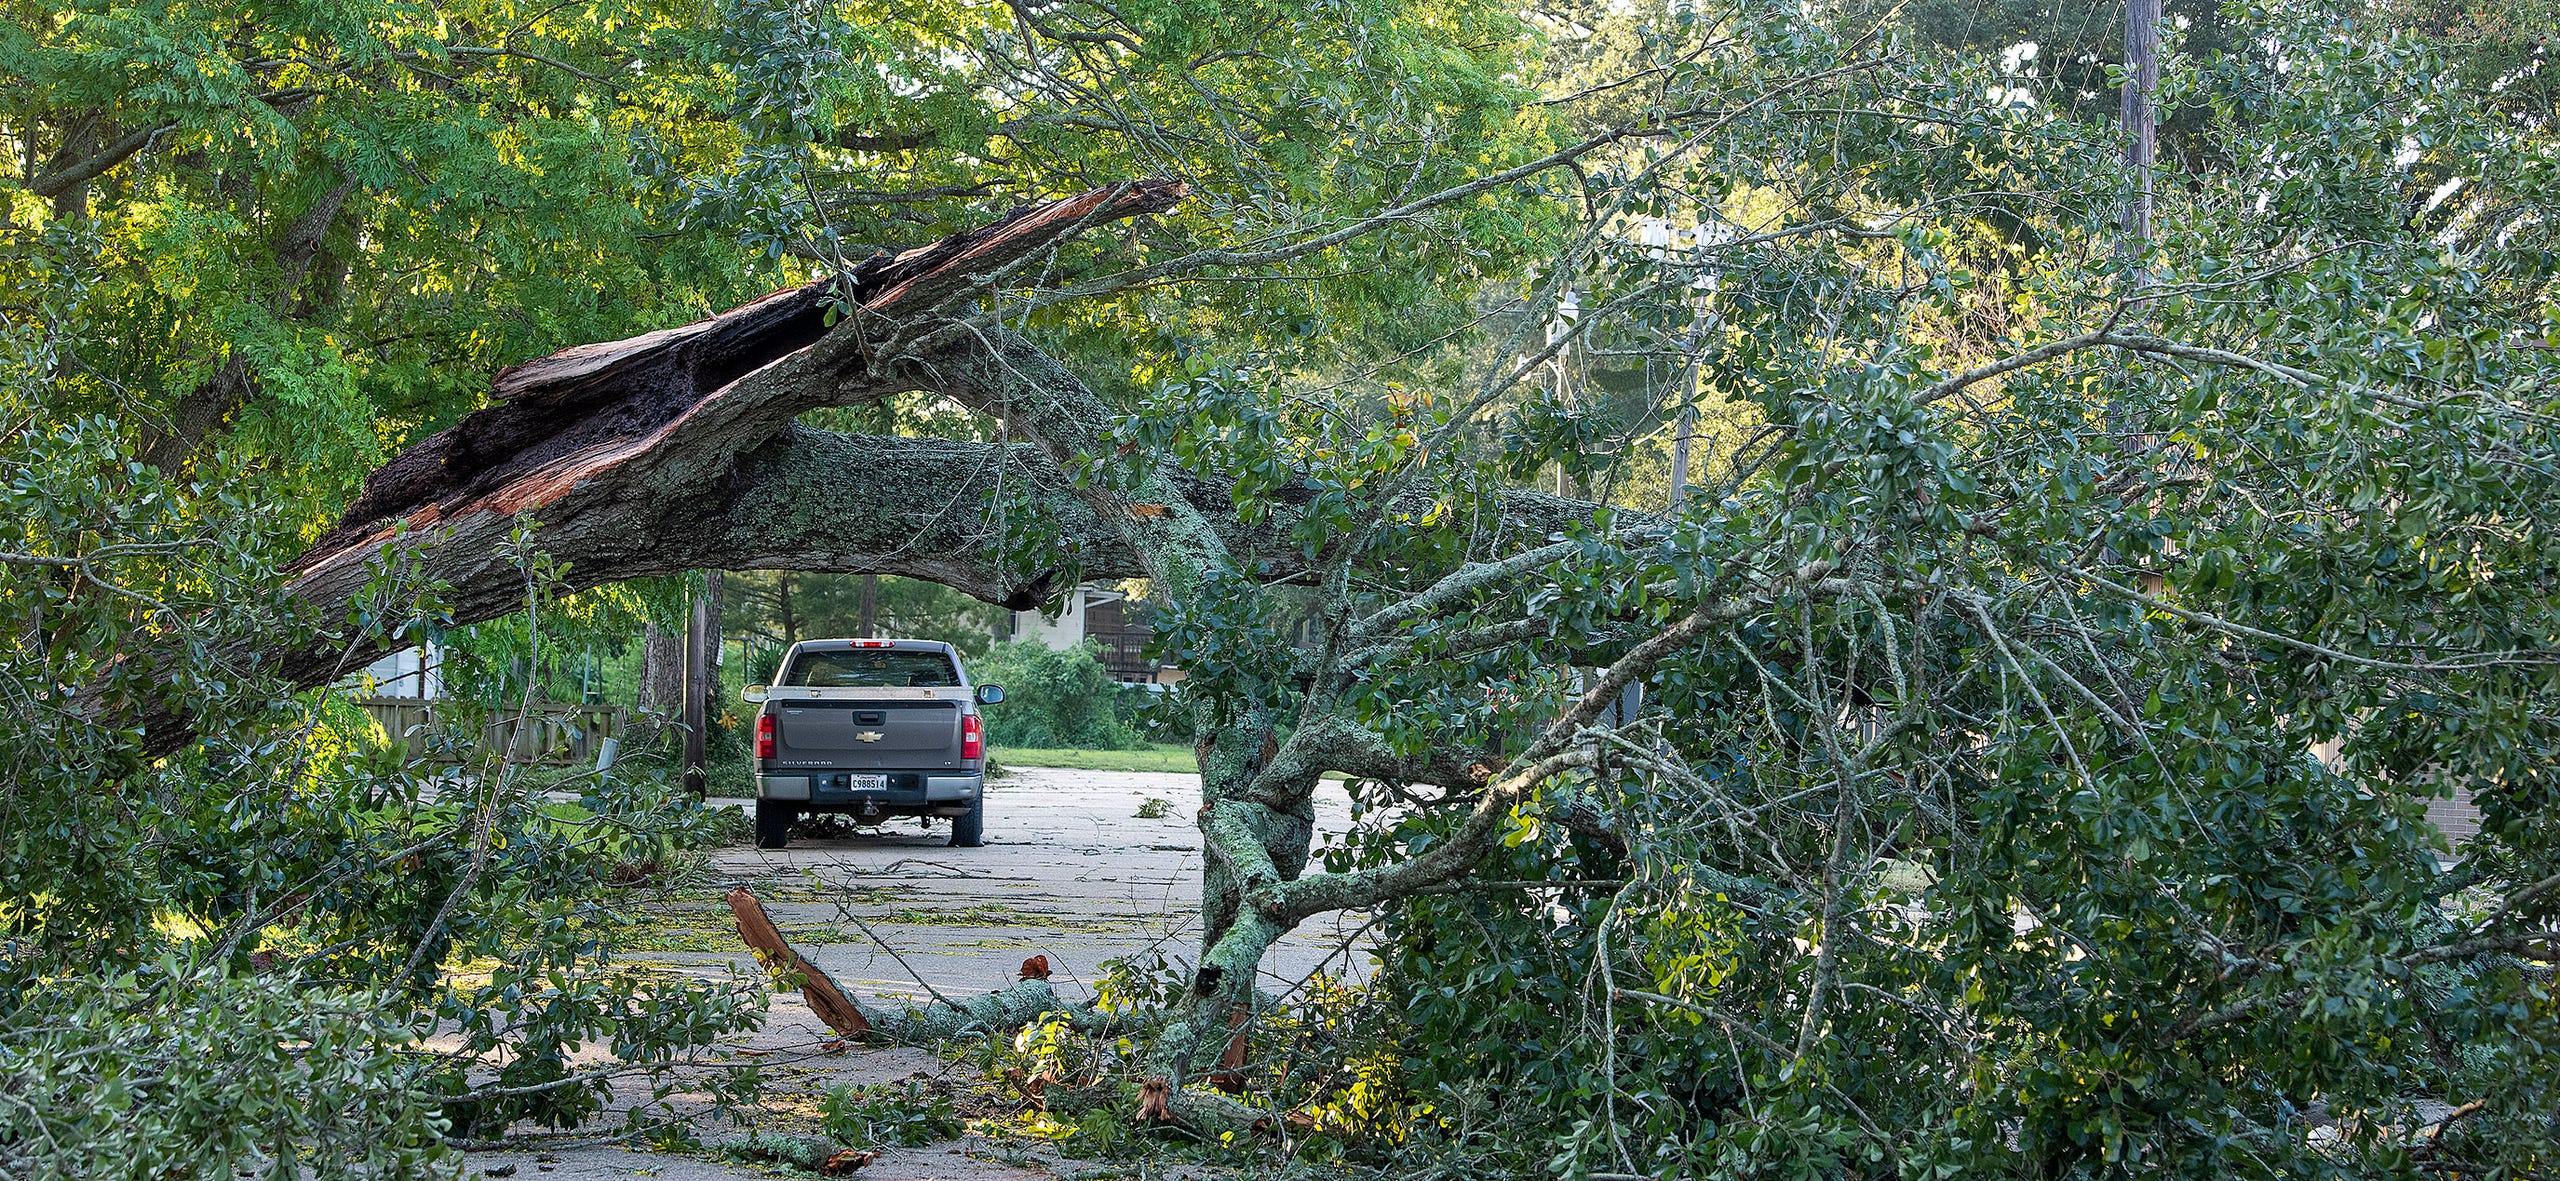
<point x="867" y="736"/>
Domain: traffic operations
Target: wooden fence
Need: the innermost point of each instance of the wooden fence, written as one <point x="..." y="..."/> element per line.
<point x="556" y="733"/>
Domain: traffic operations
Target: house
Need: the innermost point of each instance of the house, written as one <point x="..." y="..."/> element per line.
<point x="2456" y="816"/>
<point x="409" y="673"/>
<point x="1106" y="617"/>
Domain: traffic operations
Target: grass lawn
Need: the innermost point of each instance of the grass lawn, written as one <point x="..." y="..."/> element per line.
<point x="1155" y="756"/>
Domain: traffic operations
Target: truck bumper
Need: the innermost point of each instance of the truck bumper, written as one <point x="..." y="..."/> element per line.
<point x="940" y="791"/>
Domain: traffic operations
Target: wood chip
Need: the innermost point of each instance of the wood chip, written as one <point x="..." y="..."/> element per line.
<point x="845" y="1162"/>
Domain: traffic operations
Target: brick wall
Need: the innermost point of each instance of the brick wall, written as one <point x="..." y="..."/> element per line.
<point x="2456" y="815"/>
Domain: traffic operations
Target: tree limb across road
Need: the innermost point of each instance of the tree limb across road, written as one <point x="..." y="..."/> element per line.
<point x="679" y="450"/>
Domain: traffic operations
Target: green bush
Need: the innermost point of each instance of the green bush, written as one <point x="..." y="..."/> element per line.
<point x="228" y="958"/>
<point x="1052" y="699"/>
<point x="1153" y="715"/>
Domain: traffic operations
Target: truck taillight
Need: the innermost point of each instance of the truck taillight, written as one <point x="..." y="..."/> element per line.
<point x="873" y="643"/>
<point x="973" y="738"/>
<point x="764" y="736"/>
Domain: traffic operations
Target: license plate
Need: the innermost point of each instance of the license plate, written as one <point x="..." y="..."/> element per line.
<point x="867" y="782"/>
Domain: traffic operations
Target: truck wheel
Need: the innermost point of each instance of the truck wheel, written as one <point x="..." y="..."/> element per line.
<point x="969" y="829"/>
<point x="773" y="824"/>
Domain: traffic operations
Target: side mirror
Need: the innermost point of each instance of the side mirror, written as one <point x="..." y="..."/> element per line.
<point x="753" y="692"/>
<point x="990" y="694"/>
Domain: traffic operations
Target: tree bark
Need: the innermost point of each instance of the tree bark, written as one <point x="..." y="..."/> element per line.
<point x="826" y="998"/>
<point x="661" y="684"/>
<point x="716" y="593"/>
<point x="2142" y="80"/>
<point x="700" y="645"/>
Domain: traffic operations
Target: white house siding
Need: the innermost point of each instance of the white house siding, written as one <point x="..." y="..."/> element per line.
<point x="1065" y="630"/>
<point x="410" y="672"/>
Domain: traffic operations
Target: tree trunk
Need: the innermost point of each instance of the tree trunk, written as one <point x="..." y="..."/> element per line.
<point x="870" y="606"/>
<point x="661" y="685"/>
<point x="2141" y="81"/>
<point x="701" y="682"/>
<point x="209" y="407"/>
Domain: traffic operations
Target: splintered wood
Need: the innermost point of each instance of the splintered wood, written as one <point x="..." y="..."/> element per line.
<point x="826" y="999"/>
<point x="600" y="411"/>
<point x="1229" y="1076"/>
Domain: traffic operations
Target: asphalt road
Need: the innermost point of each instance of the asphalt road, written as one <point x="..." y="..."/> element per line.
<point x="1070" y="870"/>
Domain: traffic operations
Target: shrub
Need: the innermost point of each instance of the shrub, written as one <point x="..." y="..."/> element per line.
<point x="1052" y="699"/>
<point x="229" y="957"/>
<point x="1154" y="715"/>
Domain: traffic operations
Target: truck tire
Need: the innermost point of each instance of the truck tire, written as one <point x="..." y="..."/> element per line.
<point x="773" y="824"/>
<point x="969" y="829"/>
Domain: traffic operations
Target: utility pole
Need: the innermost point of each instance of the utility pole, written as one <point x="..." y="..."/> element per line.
<point x="2141" y="82"/>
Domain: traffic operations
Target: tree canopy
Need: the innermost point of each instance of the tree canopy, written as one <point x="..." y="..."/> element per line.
<point x="2001" y="746"/>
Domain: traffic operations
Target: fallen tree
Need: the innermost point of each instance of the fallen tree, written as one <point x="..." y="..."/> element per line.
<point x="679" y="450"/>
<point x="643" y="456"/>
<point x="1941" y="789"/>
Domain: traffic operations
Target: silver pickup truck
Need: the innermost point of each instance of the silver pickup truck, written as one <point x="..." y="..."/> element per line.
<point x="871" y="729"/>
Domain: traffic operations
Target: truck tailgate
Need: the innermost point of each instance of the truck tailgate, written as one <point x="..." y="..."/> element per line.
<point x="855" y="735"/>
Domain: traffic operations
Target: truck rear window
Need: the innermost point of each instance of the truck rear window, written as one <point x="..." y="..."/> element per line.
<point x="874" y="668"/>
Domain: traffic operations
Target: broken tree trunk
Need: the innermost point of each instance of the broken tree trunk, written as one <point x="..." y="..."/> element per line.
<point x="634" y="458"/>
<point x="826" y="998"/>
<point x="997" y="1012"/>
<point x="588" y="414"/>
<point x="678" y="450"/>
<point x="992" y="1014"/>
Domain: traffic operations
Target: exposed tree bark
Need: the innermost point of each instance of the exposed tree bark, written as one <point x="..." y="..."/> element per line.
<point x="693" y="399"/>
